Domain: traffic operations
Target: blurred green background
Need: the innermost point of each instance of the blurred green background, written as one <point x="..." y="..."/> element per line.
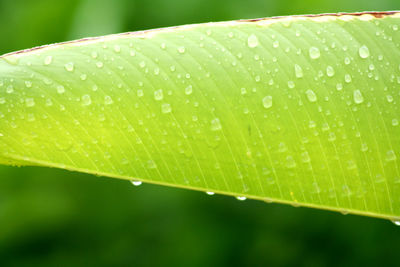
<point x="52" y="217"/>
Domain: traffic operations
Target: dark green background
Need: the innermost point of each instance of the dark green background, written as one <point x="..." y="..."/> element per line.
<point x="51" y="217"/>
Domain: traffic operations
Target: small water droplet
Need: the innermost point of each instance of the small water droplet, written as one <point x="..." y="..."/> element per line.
<point x="330" y="71"/>
<point x="60" y="89"/>
<point x="396" y="222"/>
<point x="47" y="60"/>
<point x="86" y="100"/>
<point x="363" y="51"/>
<point x="166" y="108"/>
<point x="108" y="100"/>
<point x="347" y="78"/>
<point x="10" y="89"/>
<point x="358" y="97"/>
<point x="69" y="66"/>
<point x="136" y="182"/>
<point x="252" y="41"/>
<point x="241" y="198"/>
<point x="210" y="193"/>
<point x="390" y="155"/>
<point x="29" y="102"/>
<point x="117" y="48"/>
<point x="314" y="52"/>
<point x="181" y="49"/>
<point x="28" y="84"/>
<point x="311" y="95"/>
<point x="158" y="95"/>
<point x="275" y="44"/>
<point x="188" y="90"/>
<point x="215" y="124"/>
<point x="395" y="122"/>
<point x="94" y="54"/>
<point x="267" y="101"/>
<point x="99" y="64"/>
<point x="298" y="71"/>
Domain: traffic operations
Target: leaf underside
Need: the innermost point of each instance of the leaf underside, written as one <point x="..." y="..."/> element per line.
<point x="301" y="110"/>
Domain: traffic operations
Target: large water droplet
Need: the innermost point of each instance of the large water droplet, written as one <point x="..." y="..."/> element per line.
<point x="363" y="51"/>
<point x="252" y="41"/>
<point x="314" y="52"/>
<point x="267" y="101"/>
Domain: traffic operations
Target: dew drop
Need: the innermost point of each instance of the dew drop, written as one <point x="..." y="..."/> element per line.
<point x="339" y="86"/>
<point x="298" y="71"/>
<point x="396" y="222"/>
<point x="267" y="101"/>
<point x="363" y="51"/>
<point x="390" y="155"/>
<point x="83" y="77"/>
<point x="158" y="95"/>
<point x="60" y="89"/>
<point x="347" y="78"/>
<point x="252" y="41"/>
<point x="28" y="84"/>
<point x="136" y="182"/>
<point x="181" y="49"/>
<point x="29" y="102"/>
<point x="69" y="66"/>
<point x="166" y="108"/>
<point x="358" y="97"/>
<point x="330" y="71"/>
<point x="117" y="48"/>
<point x="241" y="198"/>
<point x="10" y="89"/>
<point x="86" y="100"/>
<point x="188" y="90"/>
<point x="395" y="122"/>
<point x="99" y="64"/>
<point x="108" y="100"/>
<point x="47" y="60"/>
<point x="94" y="54"/>
<point x="210" y="193"/>
<point x="215" y="124"/>
<point x="311" y="95"/>
<point x="314" y="52"/>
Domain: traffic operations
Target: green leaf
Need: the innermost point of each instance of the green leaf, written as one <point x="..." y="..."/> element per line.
<point x="301" y="110"/>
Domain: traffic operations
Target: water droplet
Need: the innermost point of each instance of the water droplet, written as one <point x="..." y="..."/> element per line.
<point x="210" y="193"/>
<point x="136" y="182"/>
<point x="298" y="71"/>
<point x="275" y="44"/>
<point x="94" y="54"/>
<point x="339" y="86"/>
<point x="60" y="89"/>
<point x="290" y="162"/>
<point x="252" y="41"/>
<point x="267" y="101"/>
<point x="347" y="78"/>
<point x="396" y="222"/>
<point x="389" y="98"/>
<point x="215" y="124"/>
<point x="330" y="71"/>
<point x="86" y="100"/>
<point x="390" y="155"/>
<point x="10" y="89"/>
<point x="158" y="95"/>
<point x="181" y="49"/>
<point x="29" y="102"/>
<point x="117" y="48"/>
<point x="99" y="64"/>
<point x="241" y="198"/>
<point x="311" y="95"/>
<point x="108" y="100"/>
<point x="363" y="51"/>
<point x="395" y="122"/>
<point x="358" y="97"/>
<point x="291" y="84"/>
<point x="28" y="84"/>
<point x="166" y="108"/>
<point x="314" y="52"/>
<point x="188" y="90"/>
<point x="47" y="60"/>
<point x="69" y="66"/>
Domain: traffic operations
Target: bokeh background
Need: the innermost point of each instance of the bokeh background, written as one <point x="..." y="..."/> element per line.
<point x="51" y="217"/>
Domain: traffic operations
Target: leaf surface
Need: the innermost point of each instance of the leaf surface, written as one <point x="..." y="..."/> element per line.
<point x="301" y="110"/>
